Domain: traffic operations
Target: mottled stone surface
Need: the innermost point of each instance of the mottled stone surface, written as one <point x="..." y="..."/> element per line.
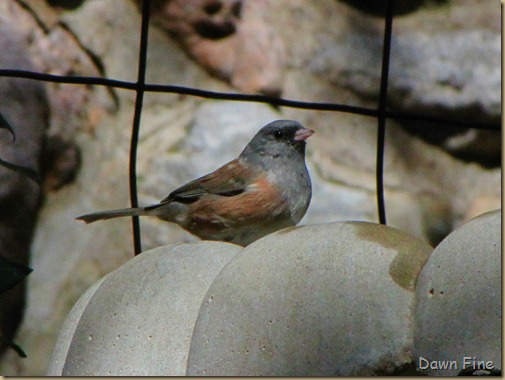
<point x="23" y="104"/>
<point x="334" y="56"/>
<point x="231" y="39"/>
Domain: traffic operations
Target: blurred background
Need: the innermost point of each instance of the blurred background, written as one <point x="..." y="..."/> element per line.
<point x="445" y="62"/>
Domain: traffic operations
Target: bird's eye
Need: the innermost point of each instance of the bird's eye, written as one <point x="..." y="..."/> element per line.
<point x="278" y="134"/>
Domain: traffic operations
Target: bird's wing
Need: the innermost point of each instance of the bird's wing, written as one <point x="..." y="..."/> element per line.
<point x="228" y="180"/>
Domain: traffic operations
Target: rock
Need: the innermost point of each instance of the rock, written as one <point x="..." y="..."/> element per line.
<point x="481" y="205"/>
<point x="334" y="56"/>
<point x="322" y="300"/>
<point x="378" y="8"/>
<point x="60" y="163"/>
<point x="475" y="146"/>
<point x="65" y="4"/>
<point x="23" y="104"/>
<point x="54" y="49"/>
<point x="139" y="320"/>
<point x="458" y="300"/>
<point x="229" y="38"/>
<point x="343" y="46"/>
<point x="462" y="86"/>
<point x="41" y="115"/>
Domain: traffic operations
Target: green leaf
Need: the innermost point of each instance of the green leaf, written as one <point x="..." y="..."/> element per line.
<point x="5" y="125"/>
<point x="11" y="273"/>
<point x="30" y="173"/>
<point x="13" y="345"/>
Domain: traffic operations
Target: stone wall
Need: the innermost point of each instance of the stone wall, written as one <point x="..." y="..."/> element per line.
<point x="445" y="62"/>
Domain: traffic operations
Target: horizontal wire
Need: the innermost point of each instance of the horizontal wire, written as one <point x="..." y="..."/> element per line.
<point x="181" y="90"/>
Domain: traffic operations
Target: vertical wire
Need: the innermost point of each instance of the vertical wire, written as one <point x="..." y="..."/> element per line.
<point x="381" y="131"/>
<point x="137" y="244"/>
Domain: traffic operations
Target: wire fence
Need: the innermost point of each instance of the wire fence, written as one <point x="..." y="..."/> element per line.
<point x="381" y="113"/>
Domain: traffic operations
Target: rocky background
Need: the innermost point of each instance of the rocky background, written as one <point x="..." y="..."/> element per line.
<point x="445" y="62"/>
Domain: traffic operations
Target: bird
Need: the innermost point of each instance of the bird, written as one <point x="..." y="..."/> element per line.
<point x="265" y="189"/>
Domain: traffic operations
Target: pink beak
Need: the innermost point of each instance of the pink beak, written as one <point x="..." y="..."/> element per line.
<point x="303" y="134"/>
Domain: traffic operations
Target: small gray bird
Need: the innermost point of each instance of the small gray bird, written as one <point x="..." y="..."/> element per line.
<point x="265" y="189"/>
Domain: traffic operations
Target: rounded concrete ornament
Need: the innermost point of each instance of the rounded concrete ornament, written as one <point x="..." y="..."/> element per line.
<point x="459" y="301"/>
<point x="139" y="319"/>
<point x="321" y="300"/>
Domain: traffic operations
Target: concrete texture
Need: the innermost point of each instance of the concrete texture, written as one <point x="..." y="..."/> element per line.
<point x="140" y="319"/>
<point x="68" y="330"/>
<point x="459" y="300"/>
<point x="445" y="62"/>
<point x="320" y="300"/>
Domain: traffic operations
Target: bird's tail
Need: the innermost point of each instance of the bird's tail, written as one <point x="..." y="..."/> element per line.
<point x="109" y="214"/>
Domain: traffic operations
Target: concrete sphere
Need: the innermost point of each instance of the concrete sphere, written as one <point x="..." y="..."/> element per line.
<point x="319" y="300"/>
<point x="459" y="303"/>
<point x="68" y="330"/>
<point x="139" y="320"/>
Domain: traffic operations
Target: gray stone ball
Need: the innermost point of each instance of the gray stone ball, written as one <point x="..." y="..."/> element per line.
<point x="321" y="300"/>
<point x="459" y="301"/>
<point x="138" y="321"/>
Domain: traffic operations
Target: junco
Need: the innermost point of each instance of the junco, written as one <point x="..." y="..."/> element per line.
<point x="265" y="189"/>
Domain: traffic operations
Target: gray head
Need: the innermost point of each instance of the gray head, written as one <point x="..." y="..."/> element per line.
<point x="279" y="138"/>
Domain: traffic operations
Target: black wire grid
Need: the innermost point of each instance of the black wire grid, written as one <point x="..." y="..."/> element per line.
<point x="381" y="112"/>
